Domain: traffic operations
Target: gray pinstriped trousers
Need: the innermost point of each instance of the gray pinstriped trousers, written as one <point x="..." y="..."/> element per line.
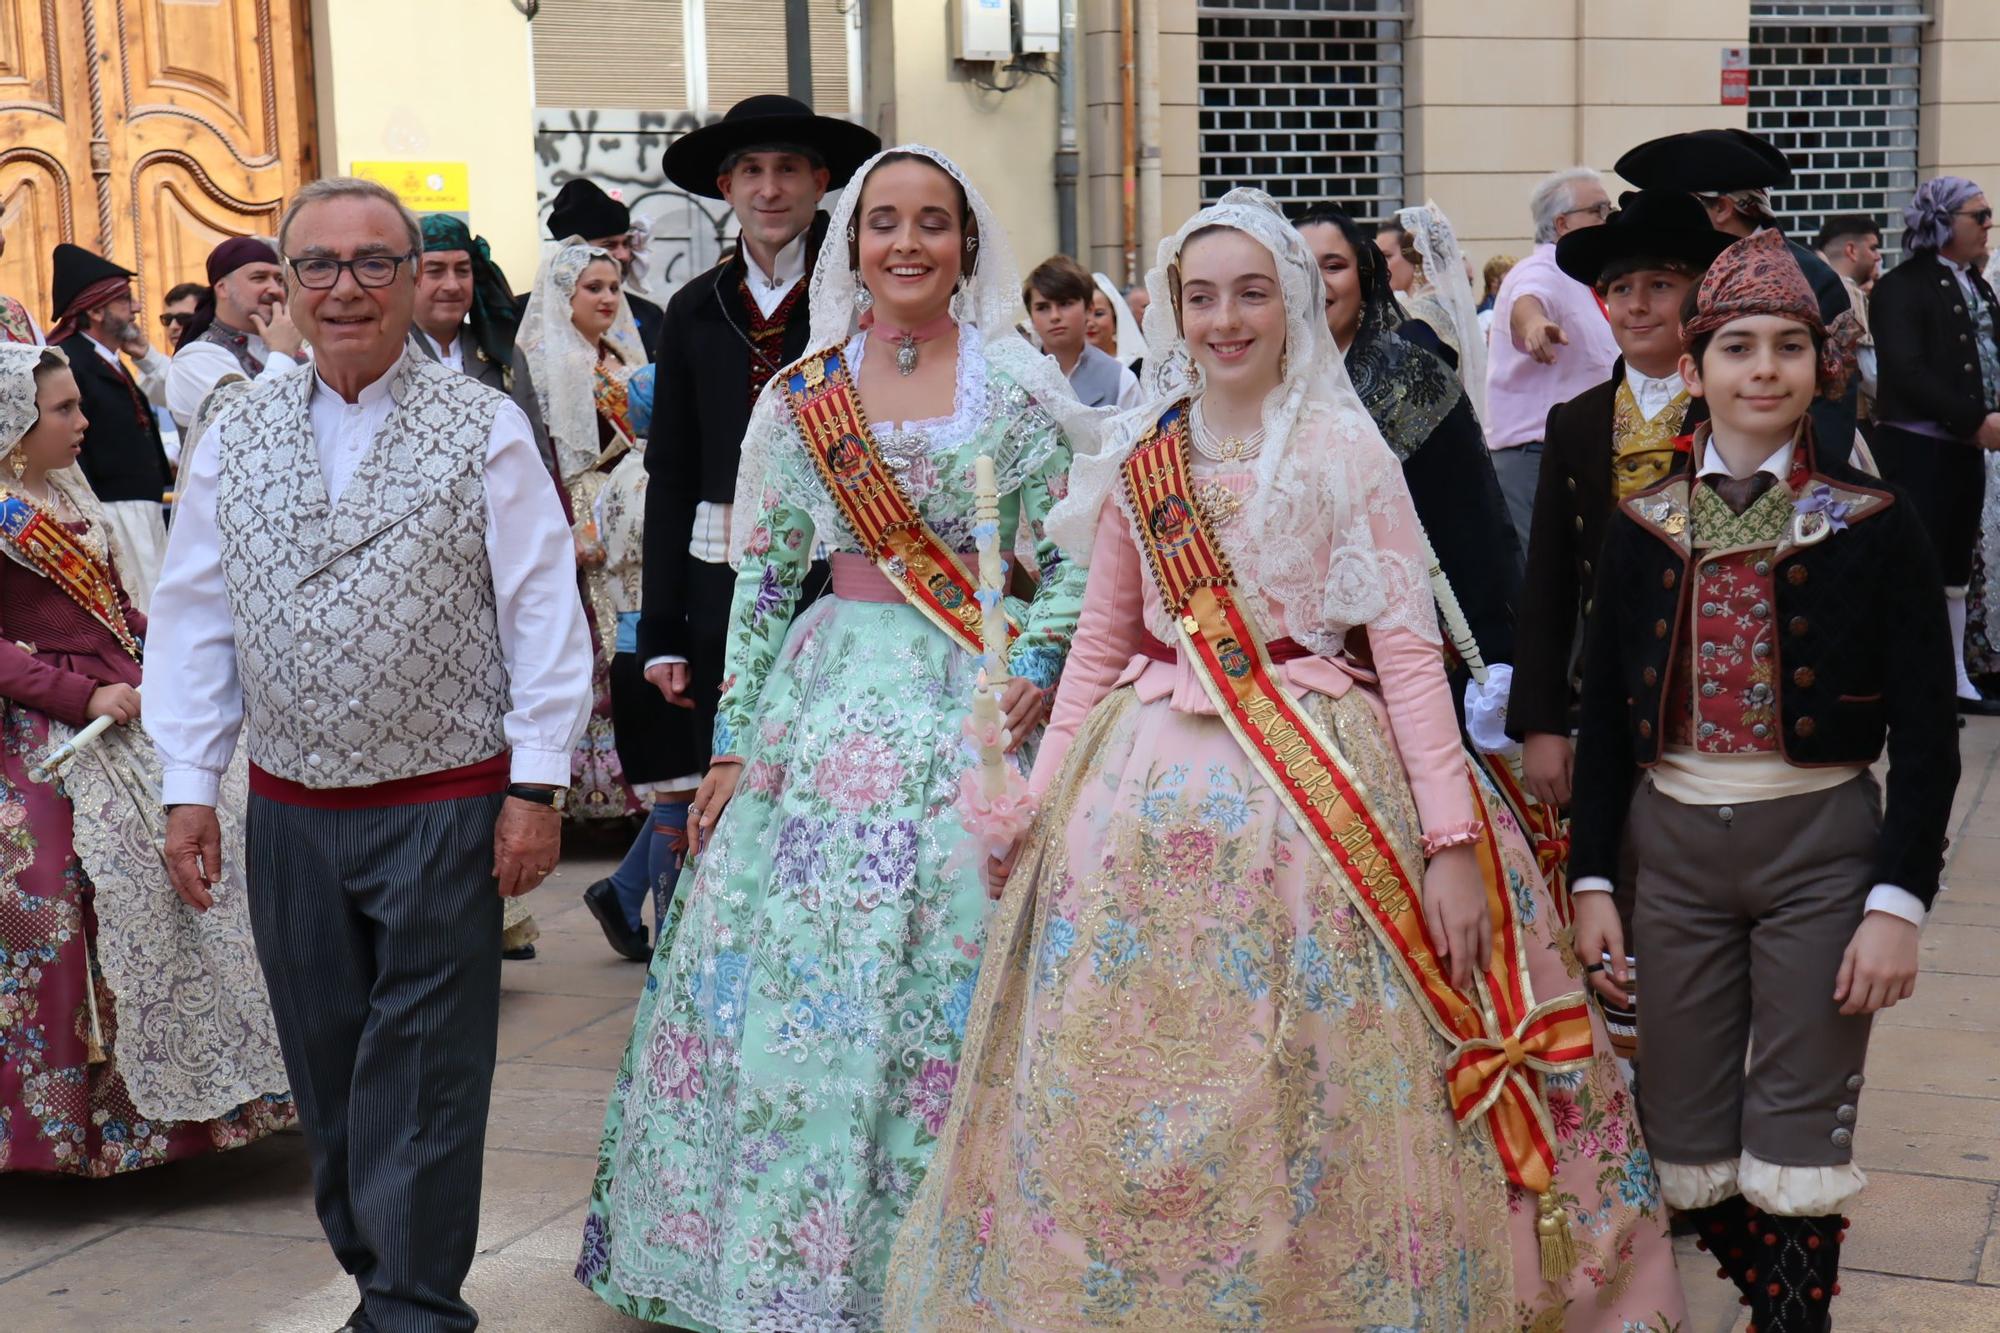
<point x="379" y="935"/>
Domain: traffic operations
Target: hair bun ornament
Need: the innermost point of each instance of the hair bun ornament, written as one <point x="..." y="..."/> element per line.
<point x="1839" y="354"/>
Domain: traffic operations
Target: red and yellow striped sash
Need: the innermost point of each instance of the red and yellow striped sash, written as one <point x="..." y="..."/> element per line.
<point x="892" y="533"/>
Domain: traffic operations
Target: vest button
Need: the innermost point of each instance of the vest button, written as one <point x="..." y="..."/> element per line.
<point x="1855" y="1082"/>
<point x="1710" y="570"/>
<point x="1579" y="522"/>
<point x="1589" y="604"/>
<point x="1804" y="678"/>
<point x="1708" y="650"/>
<point x="1763" y="568"/>
<point x="1845" y="1114"/>
<point x="1804" y="727"/>
<point x="1727" y="814"/>
<point x="1842" y="1137"/>
<point x="1572" y="483"/>
<point x="1668" y="578"/>
<point x="1795" y="575"/>
<point x="1709" y="689"/>
<point x="1645" y="729"/>
<point x="1760" y="731"/>
<point x="1708" y="728"/>
<point x="1650" y="676"/>
<point x="1659" y="629"/>
<point x="1761" y="610"/>
<point x="1797" y="626"/>
<point x="1710" y="609"/>
<point x="1760" y="650"/>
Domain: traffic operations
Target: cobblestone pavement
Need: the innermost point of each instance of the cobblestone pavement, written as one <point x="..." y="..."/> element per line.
<point x="230" y="1242"/>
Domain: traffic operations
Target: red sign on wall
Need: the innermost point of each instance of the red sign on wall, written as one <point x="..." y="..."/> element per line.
<point x="1736" y="76"/>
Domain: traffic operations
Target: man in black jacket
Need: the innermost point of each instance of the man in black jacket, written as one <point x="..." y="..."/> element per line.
<point x="123" y="456"/>
<point x="1934" y="320"/>
<point x="1602" y="446"/>
<point x="724" y="335"/>
<point x="1732" y="173"/>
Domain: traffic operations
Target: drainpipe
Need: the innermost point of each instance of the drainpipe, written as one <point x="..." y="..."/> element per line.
<point x="798" y="50"/>
<point x="1066" y="164"/>
<point x="1130" y="122"/>
<point x="1149" y="125"/>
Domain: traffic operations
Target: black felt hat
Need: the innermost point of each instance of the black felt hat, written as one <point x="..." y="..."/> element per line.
<point x="76" y="269"/>
<point x="1649" y="224"/>
<point x="1706" y="162"/>
<point x="582" y="209"/>
<point x="694" y="161"/>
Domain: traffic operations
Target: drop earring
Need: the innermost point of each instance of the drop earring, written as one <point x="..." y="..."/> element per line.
<point x="19" y="464"/>
<point x="863" y="298"/>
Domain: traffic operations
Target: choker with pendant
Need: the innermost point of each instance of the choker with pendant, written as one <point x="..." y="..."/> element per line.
<point x="907" y="340"/>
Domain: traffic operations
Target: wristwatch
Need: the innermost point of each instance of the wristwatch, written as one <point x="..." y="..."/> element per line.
<point x="556" y="798"/>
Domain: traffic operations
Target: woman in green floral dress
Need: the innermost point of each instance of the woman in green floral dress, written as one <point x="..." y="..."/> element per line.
<point x="795" y="1049"/>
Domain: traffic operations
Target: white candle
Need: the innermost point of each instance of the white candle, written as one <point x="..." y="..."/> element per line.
<point x="993" y="620"/>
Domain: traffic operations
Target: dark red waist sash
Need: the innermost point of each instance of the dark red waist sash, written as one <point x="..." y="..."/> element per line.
<point x="488" y="777"/>
<point x="1281" y="650"/>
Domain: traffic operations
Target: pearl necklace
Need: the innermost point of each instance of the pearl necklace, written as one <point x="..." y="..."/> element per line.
<point x="1227" y="449"/>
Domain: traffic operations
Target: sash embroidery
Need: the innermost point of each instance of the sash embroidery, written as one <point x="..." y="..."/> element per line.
<point x="878" y="511"/>
<point x="1501" y="1039"/>
<point x="52" y="550"/>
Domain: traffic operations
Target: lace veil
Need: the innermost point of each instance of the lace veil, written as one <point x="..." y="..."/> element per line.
<point x="1444" y="270"/>
<point x="1328" y="539"/>
<point x="18" y="414"/>
<point x="773" y="457"/>
<point x="561" y="361"/>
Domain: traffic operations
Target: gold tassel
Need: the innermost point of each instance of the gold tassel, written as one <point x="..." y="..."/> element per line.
<point x="1548" y="1321"/>
<point x="1559" y="1255"/>
<point x="94" y="1039"/>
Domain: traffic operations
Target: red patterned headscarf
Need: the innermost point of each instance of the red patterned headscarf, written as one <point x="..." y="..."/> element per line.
<point x="1759" y="276"/>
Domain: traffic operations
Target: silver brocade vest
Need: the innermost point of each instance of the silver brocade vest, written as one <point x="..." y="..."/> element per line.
<point x="366" y="634"/>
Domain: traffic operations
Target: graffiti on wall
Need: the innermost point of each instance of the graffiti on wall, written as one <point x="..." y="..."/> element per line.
<point x="622" y="152"/>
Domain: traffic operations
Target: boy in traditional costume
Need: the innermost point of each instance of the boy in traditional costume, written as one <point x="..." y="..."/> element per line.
<point x="1764" y="618"/>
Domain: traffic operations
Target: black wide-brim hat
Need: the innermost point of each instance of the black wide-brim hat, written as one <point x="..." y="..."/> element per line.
<point x="694" y="161"/>
<point x="1706" y="162"/>
<point x="1649" y="224"/>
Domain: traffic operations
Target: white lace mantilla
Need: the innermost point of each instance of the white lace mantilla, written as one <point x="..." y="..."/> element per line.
<point x="195" y="1034"/>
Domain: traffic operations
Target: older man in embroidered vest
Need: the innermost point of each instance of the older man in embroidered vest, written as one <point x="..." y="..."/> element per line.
<point x="370" y="575"/>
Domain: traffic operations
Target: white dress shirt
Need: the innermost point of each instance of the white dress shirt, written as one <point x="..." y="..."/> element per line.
<point x="1650" y="394"/>
<point x="194" y="703"/>
<point x="199" y="366"/>
<point x="1891" y="898"/>
<point x="768" y="289"/>
<point x="451" y="355"/>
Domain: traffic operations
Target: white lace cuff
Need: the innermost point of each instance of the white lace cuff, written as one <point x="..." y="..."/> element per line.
<point x="1486" y="710"/>
<point x="1686" y="1187"/>
<point x="1799" y="1191"/>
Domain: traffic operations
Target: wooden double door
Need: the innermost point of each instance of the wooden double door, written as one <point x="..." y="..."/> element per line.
<point x="148" y="131"/>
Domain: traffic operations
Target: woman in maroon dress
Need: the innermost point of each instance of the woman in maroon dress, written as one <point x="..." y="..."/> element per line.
<point x="134" y="1030"/>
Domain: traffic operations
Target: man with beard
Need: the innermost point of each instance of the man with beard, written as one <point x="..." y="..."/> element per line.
<point x="583" y="210"/>
<point x="726" y="332"/>
<point x="243" y="330"/>
<point x="123" y="457"/>
<point x="465" y="316"/>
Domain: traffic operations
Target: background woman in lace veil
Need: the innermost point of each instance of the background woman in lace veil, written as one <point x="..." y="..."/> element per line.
<point x="1440" y="299"/>
<point x="1196" y="1091"/>
<point x="793" y="1055"/>
<point x="138" y="1027"/>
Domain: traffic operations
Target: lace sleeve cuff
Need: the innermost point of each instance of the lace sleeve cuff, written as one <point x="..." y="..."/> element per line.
<point x="1458" y="835"/>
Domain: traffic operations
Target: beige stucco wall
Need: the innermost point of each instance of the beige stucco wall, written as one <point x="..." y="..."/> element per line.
<point x="1959" y="132"/>
<point x="1006" y="143"/>
<point x="436" y="81"/>
<point x="1502" y="92"/>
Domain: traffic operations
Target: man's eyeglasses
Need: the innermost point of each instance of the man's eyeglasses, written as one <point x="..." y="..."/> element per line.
<point x="1601" y="210"/>
<point x="369" y="270"/>
<point x="1981" y="216"/>
<point x="174" y="318"/>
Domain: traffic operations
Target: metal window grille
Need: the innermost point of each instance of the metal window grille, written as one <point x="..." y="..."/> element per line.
<point x="1303" y="99"/>
<point x="1834" y="83"/>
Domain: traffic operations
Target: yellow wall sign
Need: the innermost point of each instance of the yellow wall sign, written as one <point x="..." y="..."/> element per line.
<point x="427" y="187"/>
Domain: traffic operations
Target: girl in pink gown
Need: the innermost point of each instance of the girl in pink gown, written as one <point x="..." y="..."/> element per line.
<point x="1198" y="1089"/>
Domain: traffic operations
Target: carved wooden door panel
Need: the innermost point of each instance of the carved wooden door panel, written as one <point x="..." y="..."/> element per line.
<point x="170" y="125"/>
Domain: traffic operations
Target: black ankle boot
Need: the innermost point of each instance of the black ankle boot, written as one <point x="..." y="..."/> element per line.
<point x="1797" y="1282"/>
<point x="1727" y="1231"/>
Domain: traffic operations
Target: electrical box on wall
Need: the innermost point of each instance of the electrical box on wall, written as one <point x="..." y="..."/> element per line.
<point x="1041" y="26"/>
<point x="982" y="30"/>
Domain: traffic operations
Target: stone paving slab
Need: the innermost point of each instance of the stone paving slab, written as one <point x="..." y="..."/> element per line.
<point x="230" y="1243"/>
